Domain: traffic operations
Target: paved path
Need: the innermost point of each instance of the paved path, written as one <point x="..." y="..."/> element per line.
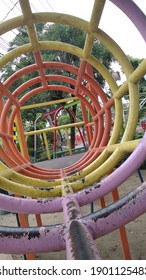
<point x="60" y="162"/>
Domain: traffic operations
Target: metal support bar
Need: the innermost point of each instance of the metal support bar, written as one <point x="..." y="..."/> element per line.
<point x="140" y="176"/>
<point x="79" y="242"/>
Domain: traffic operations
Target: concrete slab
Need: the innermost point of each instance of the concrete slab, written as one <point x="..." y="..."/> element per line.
<point x="60" y="162"/>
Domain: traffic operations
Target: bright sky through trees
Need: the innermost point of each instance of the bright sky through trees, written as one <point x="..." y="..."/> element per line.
<point x="113" y="21"/>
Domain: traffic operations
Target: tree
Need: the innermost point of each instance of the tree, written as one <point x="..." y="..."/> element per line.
<point x="53" y="32"/>
<point x="142" y="89"/>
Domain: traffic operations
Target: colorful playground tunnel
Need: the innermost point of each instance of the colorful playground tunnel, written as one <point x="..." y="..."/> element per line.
<point x="35" y="190"/>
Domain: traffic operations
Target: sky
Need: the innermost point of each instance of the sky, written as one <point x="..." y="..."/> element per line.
<point x="113" y="21"/>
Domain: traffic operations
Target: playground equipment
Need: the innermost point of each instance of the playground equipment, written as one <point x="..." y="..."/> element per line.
<point x="58" y="137"/>
<point x="37" y="190"/>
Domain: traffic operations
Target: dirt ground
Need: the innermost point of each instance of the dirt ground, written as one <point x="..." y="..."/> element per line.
<point x="109" y="246"/>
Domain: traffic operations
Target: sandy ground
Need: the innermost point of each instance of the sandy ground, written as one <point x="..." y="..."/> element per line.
<point x="109" y="246"/>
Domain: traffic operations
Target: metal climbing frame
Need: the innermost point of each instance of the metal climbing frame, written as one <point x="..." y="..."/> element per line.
<point x="92" y="177"/>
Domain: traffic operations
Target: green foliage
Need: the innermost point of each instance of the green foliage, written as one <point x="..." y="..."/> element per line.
<point x="54" y="32"/>
<point x="138" y="135"/>
<point x="64" y="119"/>
<point x="104" y="56"/>
<point x="50" y="137"/>
<point x="142" y="89"/>
<point x="30" y="143"/>
<point x="50" y="32"/>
